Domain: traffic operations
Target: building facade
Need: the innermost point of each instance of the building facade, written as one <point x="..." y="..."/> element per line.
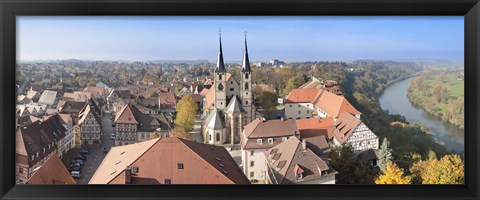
<point x="232" y="98"/>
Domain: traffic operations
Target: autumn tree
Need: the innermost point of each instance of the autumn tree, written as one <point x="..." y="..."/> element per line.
<point x="385" y="154"/>
<point x="448" y="170"/>
<point x="440" y="93"/>
<point x="291" y="84"/>
<point x="180" y="133"/>
<point x="186" y="112"/>
<point x="268" y="101"/>
<point x="393" y="175"/>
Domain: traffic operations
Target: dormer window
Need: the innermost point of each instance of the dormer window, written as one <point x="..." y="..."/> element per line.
<point x="270" y="140"/>
<point x="259" y="141"/>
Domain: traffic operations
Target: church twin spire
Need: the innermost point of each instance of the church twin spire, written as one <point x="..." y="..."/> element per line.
<point x="221" y="65"/>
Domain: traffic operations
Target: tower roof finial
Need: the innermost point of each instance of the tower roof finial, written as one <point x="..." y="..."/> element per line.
<point x="246" y="61"/>
<point x="220" y="64"/>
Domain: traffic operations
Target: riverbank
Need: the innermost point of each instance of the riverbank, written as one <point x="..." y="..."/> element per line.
<point x="426" y="92"/>
<point x="395" y="100"/>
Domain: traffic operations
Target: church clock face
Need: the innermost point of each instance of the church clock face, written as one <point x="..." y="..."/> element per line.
<point x="220" y="86"/>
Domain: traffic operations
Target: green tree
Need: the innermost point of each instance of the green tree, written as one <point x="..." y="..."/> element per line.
<point x="385" y="154"/>
<point x="291" y="84"/>
<point x="154" y="94"/>
<point x="268" y="101"/>
<point x="186" y="112"/>
<point x="393" y="175"/>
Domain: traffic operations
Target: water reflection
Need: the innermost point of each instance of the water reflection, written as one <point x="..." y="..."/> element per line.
<point x="395" y="100"/>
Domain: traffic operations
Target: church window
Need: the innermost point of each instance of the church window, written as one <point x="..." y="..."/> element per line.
<point x="217" y="137"/>
<point x="246" y="86"/>
<point x="220" y="87"/>
<point x="246" y="76"/>
<point x="246" y="102"/>
<point x="219" y="76"/>
<point x="231" y="89"/>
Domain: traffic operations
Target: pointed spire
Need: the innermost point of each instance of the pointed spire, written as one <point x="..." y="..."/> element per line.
<point x="246" y="61"/>
<point x="220" y="65"/>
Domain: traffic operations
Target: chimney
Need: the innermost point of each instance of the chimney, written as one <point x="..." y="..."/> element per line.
<point x="128" y="175"/>
<point x="304" y="144"/>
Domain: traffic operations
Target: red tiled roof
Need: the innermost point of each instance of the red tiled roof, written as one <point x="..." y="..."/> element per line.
<point x="305" y="95"/>
<point x="334" y="105"/>
<point x="316" y="126"/>
<point x="53" y="171"/>
<point x="125" y="116"/>
<point x="344" y="126"/>
<point x="158" y="159"/>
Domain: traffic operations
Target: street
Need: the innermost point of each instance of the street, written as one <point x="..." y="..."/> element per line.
<point x="96" y="151"/>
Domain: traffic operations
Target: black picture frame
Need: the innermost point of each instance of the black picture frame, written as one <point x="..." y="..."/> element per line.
<point x="470" y="9"/>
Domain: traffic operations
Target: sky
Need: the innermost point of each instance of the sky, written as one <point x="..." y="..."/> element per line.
<point x="294" y="38"/>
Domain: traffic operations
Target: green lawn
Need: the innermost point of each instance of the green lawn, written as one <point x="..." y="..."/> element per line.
<point x="455" y="88"/>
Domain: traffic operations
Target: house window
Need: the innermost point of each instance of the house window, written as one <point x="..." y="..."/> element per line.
<point x="20" y="170"/>
<point x="246" y="102"/>
<point x="252" y="174"/>
<point x="299" y="176"/>
<point x="308" y="111"/>
<point x="167" y="181"/>
<point x="290" y="106"/>
<point x="252" y="163"/>
<point x="299" y="112"/>
<point x="284" y="139"/>
<point x="251" y="153"/>
<point x="259" y="141"/>
<point x="180" y="165"/>
<point x="270" y="140"/>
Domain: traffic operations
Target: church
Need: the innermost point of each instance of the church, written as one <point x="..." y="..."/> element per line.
<point x="228" y="104"/>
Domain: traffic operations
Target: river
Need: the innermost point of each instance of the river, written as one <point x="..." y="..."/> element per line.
<point x="395" y="100"/>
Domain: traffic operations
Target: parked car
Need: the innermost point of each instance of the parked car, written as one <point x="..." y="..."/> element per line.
<point x="75" y="174"/>
<point x="85" y="151"/>
<point x="75" y="168"/>
<point x="75" y="164"/>
<point x="81" y="157"/>
<point x="79" y="161"/>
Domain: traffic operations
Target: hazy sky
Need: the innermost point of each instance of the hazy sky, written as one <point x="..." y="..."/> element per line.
<point x="284" y="38"/>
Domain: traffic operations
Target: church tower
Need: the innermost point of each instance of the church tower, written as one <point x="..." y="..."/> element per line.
<point x="246" y="86"/>
<point x="220" y="81"/>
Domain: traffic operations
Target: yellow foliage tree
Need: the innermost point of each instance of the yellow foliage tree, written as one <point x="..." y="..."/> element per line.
<point x="448" y="170"/>
<point x="186" y="111"/>
<point x="180" y="133"/>
<point x="393" y="175"/>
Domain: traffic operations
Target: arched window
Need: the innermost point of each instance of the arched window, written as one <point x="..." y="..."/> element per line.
<point x="246" y="102"/>
<point x="217" y="138"/>
<point x="246" y="86"/>
<point x="219" y="76"/>
<point x="246" y="76"/>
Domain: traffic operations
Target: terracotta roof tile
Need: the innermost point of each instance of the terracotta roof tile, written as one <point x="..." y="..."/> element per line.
<point x="53" y="171"/>
<point x="334" y="105"/>
<point x="344" y="126"/>
<point x="306" y="95"/>
<point x="201" y="164"/>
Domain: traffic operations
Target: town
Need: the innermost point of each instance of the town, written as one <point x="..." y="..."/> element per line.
<point x="114" y="122"/>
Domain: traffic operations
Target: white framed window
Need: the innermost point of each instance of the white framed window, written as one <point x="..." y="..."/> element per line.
<point x="251" y="153"/>
<point x="270" y="140"/>
<point x="284" y="139"/>
<point x="259" y="141"/>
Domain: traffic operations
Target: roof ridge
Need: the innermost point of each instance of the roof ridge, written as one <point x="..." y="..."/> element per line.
<point x="182" y="141"/>
<point x="153" y="144"/>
